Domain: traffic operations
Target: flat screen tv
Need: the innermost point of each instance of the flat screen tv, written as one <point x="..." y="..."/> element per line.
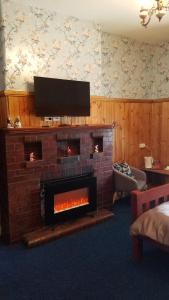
<point x="61" y="97"/>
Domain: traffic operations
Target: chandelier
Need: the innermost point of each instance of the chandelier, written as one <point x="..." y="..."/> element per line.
<point x="159" y="8"/>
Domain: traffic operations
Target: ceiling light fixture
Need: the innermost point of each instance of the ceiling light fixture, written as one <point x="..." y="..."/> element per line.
<point x="160" y="7"/>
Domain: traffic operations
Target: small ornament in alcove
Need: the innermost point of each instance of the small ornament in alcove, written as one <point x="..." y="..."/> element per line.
<point x="96" y="148"/>
<point x="69" y="151"/>
<point x="32" y="156"/>
<point x="17" y="123"/>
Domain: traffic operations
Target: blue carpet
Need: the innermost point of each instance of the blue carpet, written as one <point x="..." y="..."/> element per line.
<point x="93" y="264"/>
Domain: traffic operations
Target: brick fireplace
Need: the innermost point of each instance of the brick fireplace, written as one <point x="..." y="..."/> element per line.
<point x="30" y="157"/>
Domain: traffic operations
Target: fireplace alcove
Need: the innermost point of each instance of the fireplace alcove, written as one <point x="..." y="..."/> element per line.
<point x="68" y="198"/>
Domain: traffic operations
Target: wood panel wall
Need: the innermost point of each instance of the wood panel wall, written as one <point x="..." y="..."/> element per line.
<point x="136" y="121"/>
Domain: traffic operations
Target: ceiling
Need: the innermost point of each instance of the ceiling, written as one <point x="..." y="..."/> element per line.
<point x="117" y="17"/>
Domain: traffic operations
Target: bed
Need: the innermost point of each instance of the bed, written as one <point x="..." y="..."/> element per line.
<point x="150" y="213"/>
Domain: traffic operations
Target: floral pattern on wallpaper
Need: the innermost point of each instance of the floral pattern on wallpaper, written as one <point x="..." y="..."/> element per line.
<point x="2" y="52"/>
<point x="44" y="43"/>
<point x="126" y="65"/>
<point x="161" y="71"/>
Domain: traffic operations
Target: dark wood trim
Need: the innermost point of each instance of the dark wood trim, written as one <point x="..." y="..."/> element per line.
<point x="122" y="100"/>
<point x="13" y="131"/>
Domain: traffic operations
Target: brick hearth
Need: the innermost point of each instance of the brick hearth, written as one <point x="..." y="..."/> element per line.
<point x="20" y="178"/>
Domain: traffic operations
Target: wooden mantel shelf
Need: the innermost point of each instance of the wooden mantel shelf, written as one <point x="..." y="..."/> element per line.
<point x="14" y="131"/>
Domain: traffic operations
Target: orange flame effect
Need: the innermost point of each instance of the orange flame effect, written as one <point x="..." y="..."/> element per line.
<point x="71" y="199"/>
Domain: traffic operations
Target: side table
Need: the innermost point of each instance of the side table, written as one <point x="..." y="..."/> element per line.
<point x="157" y="176"/>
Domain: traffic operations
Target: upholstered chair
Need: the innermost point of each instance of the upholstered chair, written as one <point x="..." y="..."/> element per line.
<point x="124" y="184"/>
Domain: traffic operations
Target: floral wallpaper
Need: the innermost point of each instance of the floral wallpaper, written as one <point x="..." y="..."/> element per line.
<point x="161" y="71"/>
<point x="2" y="52"/>
<point x="45" y="43"/>
<point x="126" y="65"/>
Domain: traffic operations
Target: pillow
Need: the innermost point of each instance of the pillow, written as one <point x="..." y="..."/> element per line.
<point x="153" y="224"/>
<point x="123" y="167"/>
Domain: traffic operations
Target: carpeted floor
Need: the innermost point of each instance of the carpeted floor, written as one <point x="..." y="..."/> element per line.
<point x="93" y="264"/>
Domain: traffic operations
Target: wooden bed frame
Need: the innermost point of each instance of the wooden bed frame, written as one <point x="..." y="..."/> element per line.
<point x="141" y="202"/>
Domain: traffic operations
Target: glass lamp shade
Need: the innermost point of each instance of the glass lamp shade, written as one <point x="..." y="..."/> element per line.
<point x="160" y="14"/>
<point x="143" y="13"/>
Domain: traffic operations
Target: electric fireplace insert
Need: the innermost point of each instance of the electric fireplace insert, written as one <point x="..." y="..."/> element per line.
<point x="69" y="198"/>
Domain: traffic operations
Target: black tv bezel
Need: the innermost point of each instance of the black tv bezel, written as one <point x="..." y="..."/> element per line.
<point x="71" y="111"/>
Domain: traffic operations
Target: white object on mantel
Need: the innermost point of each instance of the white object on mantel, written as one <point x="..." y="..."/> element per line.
<point x="148" y="161"/>
<point x="142" y="145"/>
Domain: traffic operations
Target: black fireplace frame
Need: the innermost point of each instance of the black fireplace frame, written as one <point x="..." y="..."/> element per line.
<point x="51" y="188"/>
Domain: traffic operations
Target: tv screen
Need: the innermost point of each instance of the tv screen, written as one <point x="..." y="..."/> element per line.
<point x="61" y="97"/>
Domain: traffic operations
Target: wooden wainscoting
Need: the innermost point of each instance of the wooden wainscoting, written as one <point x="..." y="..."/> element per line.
<point x="137" y="121"/>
